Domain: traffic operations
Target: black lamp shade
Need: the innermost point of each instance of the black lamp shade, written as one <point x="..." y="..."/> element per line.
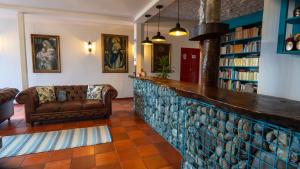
<point x="158" y="38"/>
<point x="178" y="31"/>
<point x="147" y="41"/>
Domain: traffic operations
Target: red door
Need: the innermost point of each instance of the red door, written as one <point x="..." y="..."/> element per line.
<point x="189" y="66"/>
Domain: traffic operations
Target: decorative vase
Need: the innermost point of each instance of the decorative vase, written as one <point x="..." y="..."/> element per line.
<point x="297" y="41"/>
<point x="289" y="44"/>
<point x="297" y="11"/>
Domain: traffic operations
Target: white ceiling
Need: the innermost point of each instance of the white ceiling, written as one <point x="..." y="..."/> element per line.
<point x="132" y="10"/>
<point x="122" y="8"/>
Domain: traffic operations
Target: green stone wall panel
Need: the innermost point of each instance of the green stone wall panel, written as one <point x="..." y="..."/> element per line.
<point x="208" y="137"/>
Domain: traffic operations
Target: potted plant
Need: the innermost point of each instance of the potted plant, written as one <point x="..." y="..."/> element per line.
<point x="165" y="67"/>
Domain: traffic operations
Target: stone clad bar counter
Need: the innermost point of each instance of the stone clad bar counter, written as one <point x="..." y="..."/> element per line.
<point x="215" y="128"/>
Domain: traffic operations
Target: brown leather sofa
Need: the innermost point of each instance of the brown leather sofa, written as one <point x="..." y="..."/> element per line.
<point x="7" y="97"/>
<point x="75" y="108"/>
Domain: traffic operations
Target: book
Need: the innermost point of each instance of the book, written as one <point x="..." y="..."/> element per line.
<point x="253" y="46"/>
<point x="238" y="86"/>
<point x="242" y="62"/>
<point x="242" y="33"/>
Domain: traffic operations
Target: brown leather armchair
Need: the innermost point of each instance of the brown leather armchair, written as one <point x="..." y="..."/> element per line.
<point x="7" y="97"/>
<point x="76" y="106"/>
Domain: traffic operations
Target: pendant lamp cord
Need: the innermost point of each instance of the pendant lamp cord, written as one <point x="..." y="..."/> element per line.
<point x="178" y="11"/>
<point x="147" y="27"/>
<point x="158" y="19"/>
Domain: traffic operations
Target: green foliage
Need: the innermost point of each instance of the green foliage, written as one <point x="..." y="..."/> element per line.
<point x="166" y="67"/>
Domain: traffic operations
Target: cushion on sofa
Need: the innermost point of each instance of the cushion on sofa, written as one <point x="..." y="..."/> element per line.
<point x="46" y="94"/>
<point x="49" y="107"/>
<point x="8" y="94"/>
<point x="92" y="104"/>
<point x="94" y="92"/>
<point x="71" y="106"/>
<point x="62" y="96"/>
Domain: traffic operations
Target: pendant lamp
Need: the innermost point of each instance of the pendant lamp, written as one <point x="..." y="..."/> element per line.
<point x="177" y="30"/>
<point x="158" y="37"/>
<point x="147" y="41"/>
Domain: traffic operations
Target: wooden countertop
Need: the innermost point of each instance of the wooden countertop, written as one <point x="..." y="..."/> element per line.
<point x="274" y="110"/>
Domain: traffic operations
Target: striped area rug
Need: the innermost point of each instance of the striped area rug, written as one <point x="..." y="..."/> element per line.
<point x="54" y="140"/>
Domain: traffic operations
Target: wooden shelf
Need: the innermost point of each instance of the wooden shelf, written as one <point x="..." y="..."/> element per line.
<point x="245" y="22"/>
<point x="287" y="25"/>
<point x="293" y="20"/>
<point x="239" y="67"/>
<point x="247" y="81"/>
<point x="293" y="52"/>
<point x="241" y="41"/>
<point x="236" y="54"/>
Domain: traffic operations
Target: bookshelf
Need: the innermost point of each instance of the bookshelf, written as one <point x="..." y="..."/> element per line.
<point x="240" y="53"/>
<point x="288" y="25"/>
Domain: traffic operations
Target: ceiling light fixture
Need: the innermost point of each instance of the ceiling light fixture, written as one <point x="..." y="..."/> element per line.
<point x="147" y="41"/>
<point x="158" y="37"/>
<point x="177" y="30"/>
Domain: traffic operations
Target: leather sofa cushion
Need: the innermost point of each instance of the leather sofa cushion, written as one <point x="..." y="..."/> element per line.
<point x="49" y="107"/>
<point x="71" y="106"/>
<point x="8" y="94"/>
<point x="92" y="104"/>
<point x="74" y="93"/>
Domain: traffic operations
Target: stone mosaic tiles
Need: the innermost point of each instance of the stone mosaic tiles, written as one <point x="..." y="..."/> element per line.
<point x="208" y="137"/>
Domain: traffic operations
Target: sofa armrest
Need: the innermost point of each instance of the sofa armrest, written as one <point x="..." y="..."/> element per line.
<point x="108" y="93"/>
<point x="8" y="94"/>
<point x="29" y="97"/>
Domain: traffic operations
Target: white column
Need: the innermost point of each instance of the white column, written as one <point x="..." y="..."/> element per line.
<point x="23" y="58"/>
<point x="138" y="48"/>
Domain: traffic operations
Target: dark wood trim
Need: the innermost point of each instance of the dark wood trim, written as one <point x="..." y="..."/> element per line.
<point x="123" y="98"/>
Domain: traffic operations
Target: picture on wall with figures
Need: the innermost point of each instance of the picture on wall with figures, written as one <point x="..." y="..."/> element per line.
<point x="114" y="53"/>
<point x="161" y="51"/>
<point x="45" y="53"/>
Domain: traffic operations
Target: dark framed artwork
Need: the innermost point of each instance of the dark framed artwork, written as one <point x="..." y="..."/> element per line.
<point x="159" y="50"/>
<point x="45" y="53"/>
<point x="114" y="53"/>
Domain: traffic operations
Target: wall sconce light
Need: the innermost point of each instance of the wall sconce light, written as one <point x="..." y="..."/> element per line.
<point x="90" y="46"/>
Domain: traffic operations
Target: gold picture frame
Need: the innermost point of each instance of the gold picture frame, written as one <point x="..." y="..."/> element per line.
<point x="159" y="50"/>
<point x="45" y="53"/>
<point x="114" y="53"/>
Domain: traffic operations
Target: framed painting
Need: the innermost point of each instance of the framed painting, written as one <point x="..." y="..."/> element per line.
<point x="114" y="53"/>
<point x="160" y="50"/>
<point x="45" y="53"/>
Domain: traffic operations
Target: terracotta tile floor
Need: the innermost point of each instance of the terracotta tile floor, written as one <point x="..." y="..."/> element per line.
<point x="135" y="145"/>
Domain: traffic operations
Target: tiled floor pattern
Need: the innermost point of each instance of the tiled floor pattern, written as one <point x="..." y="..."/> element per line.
<point x="135" y="145"/>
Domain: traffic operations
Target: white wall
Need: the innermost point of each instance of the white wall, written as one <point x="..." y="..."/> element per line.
<point x="78" y="66"/>
<point x="10" y="69"/>
<point x="176" y="44"/>
<point x="279" y="74"/>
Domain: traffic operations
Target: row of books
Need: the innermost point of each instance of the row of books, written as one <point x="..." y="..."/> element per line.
<point x="238" y="75"/>
<point x="239" y="62"/>
<point x="243" y="75"/>
<point x="241" y="48"/>
<point x="227" y="74"/>
<point x="238" y="86"/>
<point x="242" y="33"/>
